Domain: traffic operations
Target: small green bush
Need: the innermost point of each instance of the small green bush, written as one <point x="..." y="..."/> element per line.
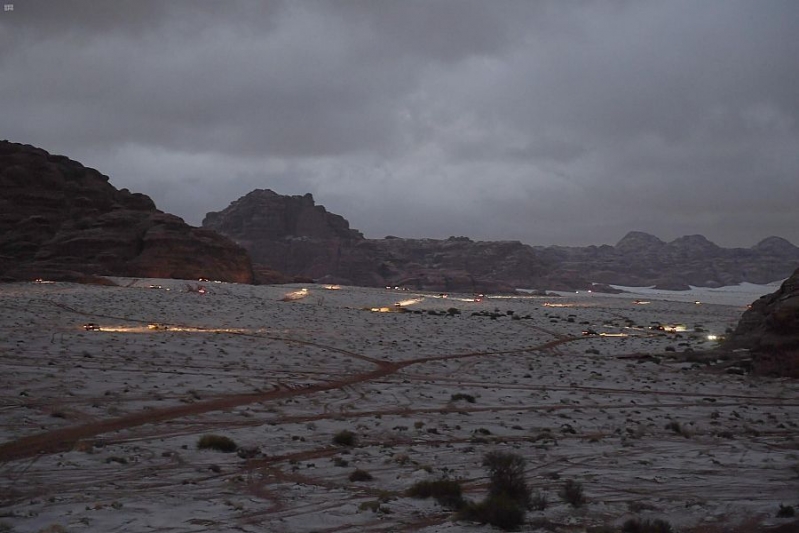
<point x="447" y="492"/>
<point x="572" y="493"/>
<point x="344" y="437"/>
<point x="217" y="442"/>
<point x="634" y="525"/>
<point x="360" y="475"/>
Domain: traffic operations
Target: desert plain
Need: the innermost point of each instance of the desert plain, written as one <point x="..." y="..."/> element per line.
<point x="99" y="427"/>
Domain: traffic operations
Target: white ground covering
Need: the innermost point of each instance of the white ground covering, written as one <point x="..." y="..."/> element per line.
<point x="284" y="376"/>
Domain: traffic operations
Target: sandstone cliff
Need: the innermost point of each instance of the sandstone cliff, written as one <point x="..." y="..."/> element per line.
<point x="61" y="220"/>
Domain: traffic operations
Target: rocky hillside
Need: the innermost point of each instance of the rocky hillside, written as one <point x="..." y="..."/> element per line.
<point x="61" y="220"/>
<point x="771" y="322"/>
<point x="769" y="330"/>
<point x="293" y="235"/>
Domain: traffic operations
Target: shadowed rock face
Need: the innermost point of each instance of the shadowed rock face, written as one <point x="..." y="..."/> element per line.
<point x="61" y="220"/>
<point x="771" y="322"/>
<point x="293" y="235"/>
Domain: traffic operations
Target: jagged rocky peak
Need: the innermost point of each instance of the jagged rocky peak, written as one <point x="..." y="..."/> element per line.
<point x="62" y="220"/>
<point x="638" y="240"/>
<point x="265" y="214"/>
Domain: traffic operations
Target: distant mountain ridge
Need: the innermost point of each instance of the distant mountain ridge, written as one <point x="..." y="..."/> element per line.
<point x="294" y="235"/>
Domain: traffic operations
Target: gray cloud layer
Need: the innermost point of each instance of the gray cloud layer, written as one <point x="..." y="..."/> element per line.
<point x="547" y="121"/>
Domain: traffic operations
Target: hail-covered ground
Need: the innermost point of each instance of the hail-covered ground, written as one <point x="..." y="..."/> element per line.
<point x="107" y="391"/>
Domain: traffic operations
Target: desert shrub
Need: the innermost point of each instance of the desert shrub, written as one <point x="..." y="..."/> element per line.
<point x="360" y="475"/>
<point x="786" y="511"/>
<point x="634" y="525"/>
<point x="677" y="428"/>
<point x="538" y="501"/>
<point x="572" y="493"/>
<point x="506" y="471"/>
<point x="500" y="511"/>
<point x="447" y="492"/>
<point x="219" y="443"/>
<point x="344" y="437"/>
<point x="460" y="396"/>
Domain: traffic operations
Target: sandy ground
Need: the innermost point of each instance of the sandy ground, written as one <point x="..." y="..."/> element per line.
<point x="99" y="429"/>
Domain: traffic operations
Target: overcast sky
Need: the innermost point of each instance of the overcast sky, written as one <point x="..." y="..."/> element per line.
<point x="549" y="122"/>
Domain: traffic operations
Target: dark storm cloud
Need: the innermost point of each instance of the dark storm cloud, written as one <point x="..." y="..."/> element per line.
<point x="547" y="122"/>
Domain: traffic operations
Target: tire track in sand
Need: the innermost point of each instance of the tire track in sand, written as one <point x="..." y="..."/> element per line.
<point x="65" y="439"/>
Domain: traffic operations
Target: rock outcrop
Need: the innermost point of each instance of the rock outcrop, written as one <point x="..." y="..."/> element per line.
<point x="61" y="220"/>
<point x="293" y="235"/>
<point x="289" y="234"/>
<point x="771" y="322"/>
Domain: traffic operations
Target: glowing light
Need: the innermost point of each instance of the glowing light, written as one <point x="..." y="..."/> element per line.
<point x="333" y="287"/>
<point x="641" y="302"/>
<point x="405" y="303"/>
<point x="675" y="328"/>
<point x="296" y="295"/>
<point x="712" y="337"/>
<point x="162" y="328"/>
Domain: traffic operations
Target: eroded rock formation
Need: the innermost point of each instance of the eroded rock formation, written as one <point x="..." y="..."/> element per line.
<point x="61" y="220"/>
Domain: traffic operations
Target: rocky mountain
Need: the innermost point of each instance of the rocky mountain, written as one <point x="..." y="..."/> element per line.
<point x="769" y="330"/>
<point x="61" y="220"/>
<point x="771" y="322"/>
<point x="640" y="259"/>
<point x="293" y="235"/>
